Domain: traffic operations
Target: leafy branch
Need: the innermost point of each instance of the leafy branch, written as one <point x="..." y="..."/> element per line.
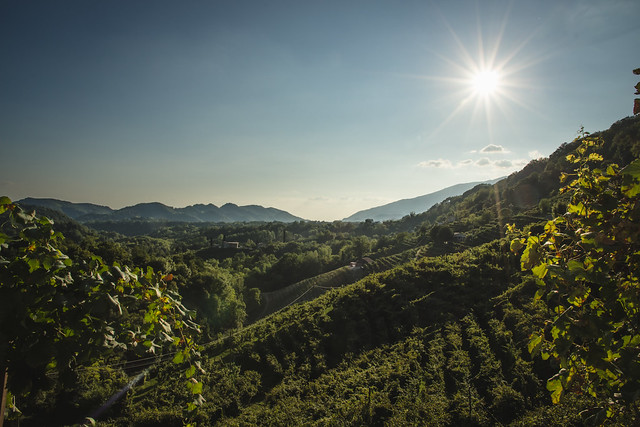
<point x="57" y="314"/>
<point x="586" y="265"/>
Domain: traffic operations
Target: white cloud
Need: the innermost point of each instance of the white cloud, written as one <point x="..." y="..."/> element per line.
<point x="484" y="163"/>
<point x="503" y="163"/>
<point x="439" y="163"/>
<point x="494" y="149"/>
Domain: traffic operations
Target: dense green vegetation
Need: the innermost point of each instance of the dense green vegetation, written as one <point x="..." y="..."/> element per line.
<point x="432" y="324"/>
<point x="586" y="263"/>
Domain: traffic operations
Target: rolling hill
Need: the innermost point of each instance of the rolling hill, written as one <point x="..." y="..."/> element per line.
<point x="401" y="208"/>
<point x="86" y="212"/>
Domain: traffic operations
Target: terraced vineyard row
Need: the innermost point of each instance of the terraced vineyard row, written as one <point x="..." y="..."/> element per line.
<point x="313" y="287"/>
<point x="307" y="289"/>
<point x="388" y="262"/>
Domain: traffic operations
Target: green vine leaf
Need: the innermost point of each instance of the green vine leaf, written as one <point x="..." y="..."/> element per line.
<point x="554" y="385"/>
<point x="632" y="169"/>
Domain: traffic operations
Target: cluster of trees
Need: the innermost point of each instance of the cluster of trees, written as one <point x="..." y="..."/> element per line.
<point x="224" y="285"/>
<point x="132" y="312"/>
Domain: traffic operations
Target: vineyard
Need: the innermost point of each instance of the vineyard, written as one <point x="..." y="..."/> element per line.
<point x="306" y="290"/>
<point x="434" y="349"/>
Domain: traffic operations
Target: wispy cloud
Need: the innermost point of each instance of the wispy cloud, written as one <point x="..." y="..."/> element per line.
<point x="483" y="162"/>
<point x="503" y="163"/>
<point x="439" y="163"/>
<point x="491" y="149"/>
<point x="494" y="149"/>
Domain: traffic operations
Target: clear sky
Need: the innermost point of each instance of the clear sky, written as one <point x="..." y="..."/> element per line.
<point x="320" y="108"/>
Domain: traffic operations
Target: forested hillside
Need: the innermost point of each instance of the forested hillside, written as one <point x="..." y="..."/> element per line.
<point x="422" y="321"/>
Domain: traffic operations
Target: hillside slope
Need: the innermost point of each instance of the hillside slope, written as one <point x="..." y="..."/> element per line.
<point x="437" y="340"/>
<point x="528" y="196"/>
<point x="401" y="208"/>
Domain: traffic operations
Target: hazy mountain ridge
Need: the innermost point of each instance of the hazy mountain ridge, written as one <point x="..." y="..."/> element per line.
<point x="72" y="210"/>
<point x="86" y="212"/>
<point x="398" y="209"/>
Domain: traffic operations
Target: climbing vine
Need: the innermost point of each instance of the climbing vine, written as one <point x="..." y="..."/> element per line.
<point x="586" y="263"/>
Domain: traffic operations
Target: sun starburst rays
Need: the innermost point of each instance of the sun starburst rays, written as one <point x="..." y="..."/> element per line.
<point x="487" y="83"/>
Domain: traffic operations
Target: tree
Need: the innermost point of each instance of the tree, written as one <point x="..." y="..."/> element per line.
<point x="441" y="233"/>
<point x="57" y="314"/>
<point x="586" y="263"/>
<point x="361" y="246"/>
<point x="545" y="206"/>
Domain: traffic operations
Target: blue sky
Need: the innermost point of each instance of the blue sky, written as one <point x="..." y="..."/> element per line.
<point x="320" y="108"/>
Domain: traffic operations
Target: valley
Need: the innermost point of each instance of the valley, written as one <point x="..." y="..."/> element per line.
<point x="422" y="320"/>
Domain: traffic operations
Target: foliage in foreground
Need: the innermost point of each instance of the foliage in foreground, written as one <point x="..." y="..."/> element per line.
<point x="586" y="264"/>
<point x="57" y="315"/>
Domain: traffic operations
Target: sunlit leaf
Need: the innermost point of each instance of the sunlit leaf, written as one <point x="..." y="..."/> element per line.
<point x="632" y="169"/>
<point x="516" y="245"/>
<point x="554" y="385"/>
<point x="5" y="203"/>
<point x="534" y="343"/>
<point x="178" y="358"/>
<point x="195" y="386"/>
<point x="631" y="190"/>
<point x="190" y="371"/>
<point x="576" y="208"/>
<point x="540" y="270"/>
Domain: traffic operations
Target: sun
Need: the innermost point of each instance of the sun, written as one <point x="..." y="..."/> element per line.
<point x="483" y="79"/>
<point x="486" y="82"/>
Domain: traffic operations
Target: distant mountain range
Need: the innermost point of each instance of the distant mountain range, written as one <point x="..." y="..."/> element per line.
<point x="87" y="212"/>
<point x="401" y="208"/>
